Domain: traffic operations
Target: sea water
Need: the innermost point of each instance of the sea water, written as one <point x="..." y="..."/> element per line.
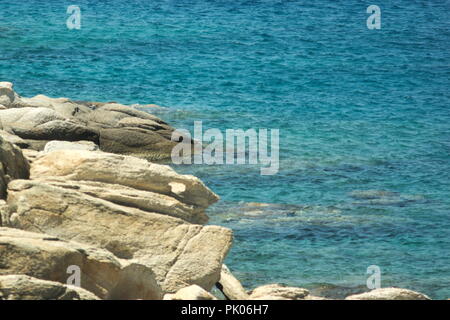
<point x="363" y="115"/>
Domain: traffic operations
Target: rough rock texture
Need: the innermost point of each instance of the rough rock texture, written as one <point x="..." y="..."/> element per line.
<point x="144" y="200"/>
<point x="22" y="287"/>
<point x="124" y="170"/>
<point x="8" y="97"/>
<point x="13" y="165"/>
<point x="3" y="211"/>
<point x="389" y="294"/>
<point x="67" y="145"/>
<point x="114" y="127"/>
<point x="278" y="292"/>
<point x="179" y="253"/>
<point x="28" y="117"/>
<point x="61" y="130"/>
<point x="18" y="141"/>
<point x="47" y="257"/>
<point x="31" y="154"/>
<point x="193" y="292"/>
<point x="230" y="286"/>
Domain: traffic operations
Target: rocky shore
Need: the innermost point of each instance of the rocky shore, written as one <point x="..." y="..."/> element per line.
<point x="78" y="188"/>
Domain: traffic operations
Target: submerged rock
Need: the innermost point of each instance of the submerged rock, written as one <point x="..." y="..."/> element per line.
<point x="371" y="194"/>
<point x="384" y="198"/>
<point x="336" y="292"/>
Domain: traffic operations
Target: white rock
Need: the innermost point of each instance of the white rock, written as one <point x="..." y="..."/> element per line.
<point x="278" y="292"/>
<point x="193" y="292"/>
<point x="27" y="117"/>
<point x="7" y="95"/>
<point x="125" y="170"/>
<point x="67" y="145"/>
<point x="389" y="294"/>
<point x="179" y="253"/>
<point x="5" y="84"/>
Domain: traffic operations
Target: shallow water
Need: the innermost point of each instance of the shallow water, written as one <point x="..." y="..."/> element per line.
<point x="357" y="110"/>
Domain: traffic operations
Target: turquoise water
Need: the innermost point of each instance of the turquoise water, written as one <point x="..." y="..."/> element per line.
<point x="357" y="109"/>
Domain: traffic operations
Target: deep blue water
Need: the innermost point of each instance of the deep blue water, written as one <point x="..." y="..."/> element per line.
<point x="357" y="110"/>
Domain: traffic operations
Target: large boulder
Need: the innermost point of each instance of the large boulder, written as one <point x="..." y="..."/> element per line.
<point x="47" y="257"/>
<point x="115" y="127"/>
<point x="389" y="294"/>
<point x="13" y="165"/>
<point x="133" y="208"/>
<point x="193" y="292"/>
<point x="22" y="287"/>
<point x="128" y="171"/>
<point x="40" y="125"/>
<point x="63" y="106"/>
<point x="278" y="292"/>
<point x="144" y="200"/>
<point x="27" y="117"/>
<point x="128" y="131"/>
<point x="231" y="288"/>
